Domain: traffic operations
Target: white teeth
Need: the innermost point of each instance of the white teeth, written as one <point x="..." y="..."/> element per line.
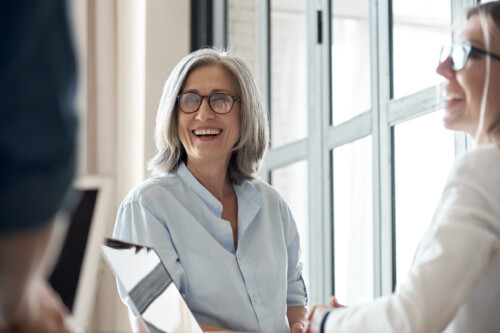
<point x="207" y="132"/>
<point x="451" y="95"/>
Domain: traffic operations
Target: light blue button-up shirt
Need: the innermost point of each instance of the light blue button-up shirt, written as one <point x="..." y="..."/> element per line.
<point x="247" y="289"/>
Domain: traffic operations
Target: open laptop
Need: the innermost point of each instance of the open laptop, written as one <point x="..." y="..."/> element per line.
<point x="151" y="293"/>
<point x="76" y="272"/>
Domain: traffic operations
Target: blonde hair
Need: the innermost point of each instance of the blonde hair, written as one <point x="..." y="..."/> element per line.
<point x="489" y="14"/>
<point x="248" y="152"/>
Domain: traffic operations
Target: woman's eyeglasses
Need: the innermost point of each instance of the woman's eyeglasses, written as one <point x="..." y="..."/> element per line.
<point x="219" y="102"/>
<point x="460" y="53"/>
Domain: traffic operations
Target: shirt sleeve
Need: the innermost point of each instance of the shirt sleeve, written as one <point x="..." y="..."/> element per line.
<point x="296" y="289"/>
<point x="451" y="256"/>
<point x="138" y="224"/>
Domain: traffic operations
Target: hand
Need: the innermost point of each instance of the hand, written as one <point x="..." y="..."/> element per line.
<point x="298" y="327"/>
<point x="45" y="313"/>
<point x="139" y="326"/>
<point x="316" y="317"/>
<point x="318" y="312"/>
<point x="335" y="304"/>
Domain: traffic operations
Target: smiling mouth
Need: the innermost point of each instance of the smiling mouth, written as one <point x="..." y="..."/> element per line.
<point x="451" y="96"/>
<point x="207" y="132"/>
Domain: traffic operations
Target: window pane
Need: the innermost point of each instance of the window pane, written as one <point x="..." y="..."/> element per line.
<point x="353" y="222"/>
<point x="351" y="88"/>
<point x="295" y="194"/>
<point x="243" y="31"/>
<point x="424" y="153"/>
<point x="418" y="35"/>
<point x="288" y="71"/>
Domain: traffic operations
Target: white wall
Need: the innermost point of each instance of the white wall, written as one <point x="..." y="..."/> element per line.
<point x="127" y="49"/>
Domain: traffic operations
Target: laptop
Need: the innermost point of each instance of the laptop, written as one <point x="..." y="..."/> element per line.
<point x="151" y="294"/>
<point x="75" y="275"/>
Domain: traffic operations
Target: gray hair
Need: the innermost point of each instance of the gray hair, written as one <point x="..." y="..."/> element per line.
<point x="248" y="152"/>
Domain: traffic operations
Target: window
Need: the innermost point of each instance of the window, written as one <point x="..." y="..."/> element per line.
<point x="350" y="59"/>
<point x="354" y="113"/>
<point x="353" y="227"/>
<point x="423" y="155"/>
<point x="288" y="111"/>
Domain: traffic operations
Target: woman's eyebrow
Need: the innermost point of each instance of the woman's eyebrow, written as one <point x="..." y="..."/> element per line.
<point x="475" y="42"/>
<point x="213" y="91"/>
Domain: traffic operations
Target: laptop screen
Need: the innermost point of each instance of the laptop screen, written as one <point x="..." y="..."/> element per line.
<point x="76" y="271"/>
<point x="151" y="293"/>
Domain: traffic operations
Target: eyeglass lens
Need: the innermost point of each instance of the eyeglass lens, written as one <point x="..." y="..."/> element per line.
<point x="458" y="55"/>
<point x="220" y="103"/>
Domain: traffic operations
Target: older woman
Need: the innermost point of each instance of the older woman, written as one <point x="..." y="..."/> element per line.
<point x="454" y="282"/>
<point x="228" y="239"/>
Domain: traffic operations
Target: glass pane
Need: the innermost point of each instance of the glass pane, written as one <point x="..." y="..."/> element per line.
<point x="418" y="35"/>
<point x="288" y="71"/>
<point x="351" y="88"/>
<point x="424" y="153"/>
<point x="243" y="31"/>
<point x="295" y="194"/>
<point x="353" y="222"/>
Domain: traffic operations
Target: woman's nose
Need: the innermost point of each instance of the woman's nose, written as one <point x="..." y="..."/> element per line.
<point x="444" y="69"/>
<point x="205" y="112"/>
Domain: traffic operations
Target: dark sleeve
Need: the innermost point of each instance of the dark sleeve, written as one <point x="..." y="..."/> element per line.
<point x="37" y="116"/>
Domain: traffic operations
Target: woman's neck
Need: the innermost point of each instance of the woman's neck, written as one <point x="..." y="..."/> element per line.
<point x="482" y="140"/>
<point x="212" y="175"/>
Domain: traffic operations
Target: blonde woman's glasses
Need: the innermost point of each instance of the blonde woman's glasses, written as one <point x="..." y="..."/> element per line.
<point x="460" y="53"/>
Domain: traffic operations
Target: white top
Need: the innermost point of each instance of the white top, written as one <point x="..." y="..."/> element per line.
<point x="454" y="282"/>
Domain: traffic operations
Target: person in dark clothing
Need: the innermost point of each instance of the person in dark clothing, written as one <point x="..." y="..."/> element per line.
<point x="37" y="157"/>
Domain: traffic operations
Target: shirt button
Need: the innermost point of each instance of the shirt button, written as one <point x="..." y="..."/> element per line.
<point x="224" y="225"/>
<point x="239" y="257"/>
<point x="254" y="298"/>
<point x="216" y="205"/>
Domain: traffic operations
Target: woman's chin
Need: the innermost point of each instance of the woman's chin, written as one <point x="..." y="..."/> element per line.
<point x="449" y="122"/>
<point x="453" y="119"/>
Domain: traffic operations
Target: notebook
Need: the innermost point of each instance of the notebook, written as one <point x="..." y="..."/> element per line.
<point x="151" y="293"/>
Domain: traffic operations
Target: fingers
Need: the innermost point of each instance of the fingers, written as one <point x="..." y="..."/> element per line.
<point x="311" y="313"/>
<point x="334" y="303"/>
<point x="315" y="318"/>
<point x="52" y="308"/>
<point x="48" y="313"/>
<point x="298" y="328"/>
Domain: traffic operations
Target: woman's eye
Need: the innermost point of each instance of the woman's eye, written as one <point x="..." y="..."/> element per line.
<point x="475" y="54"/>
<point x="191" y="98"/>
<point x="218" y="98"/>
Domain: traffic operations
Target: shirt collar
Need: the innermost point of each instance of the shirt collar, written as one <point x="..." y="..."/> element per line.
<point x="249" y="198"/>
<point x="191" y="182"/>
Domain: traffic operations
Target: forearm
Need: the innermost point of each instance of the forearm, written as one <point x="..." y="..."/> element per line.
<point x="23" y="260"/>
<point x="208" y="328"/>
<point x="296" y="314"/>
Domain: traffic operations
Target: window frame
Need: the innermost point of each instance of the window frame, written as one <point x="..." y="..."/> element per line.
<point x="323" y="137"/>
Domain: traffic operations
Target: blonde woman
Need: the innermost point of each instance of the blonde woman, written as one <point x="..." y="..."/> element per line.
<point x="454" y="282"/>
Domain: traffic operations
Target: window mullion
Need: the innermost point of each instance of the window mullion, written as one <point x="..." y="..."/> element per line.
<point x="383" y="151"/>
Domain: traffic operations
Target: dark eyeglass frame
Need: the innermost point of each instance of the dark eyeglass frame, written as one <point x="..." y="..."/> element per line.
<point x="448" y="51"/>
<point x="233" y="98"/>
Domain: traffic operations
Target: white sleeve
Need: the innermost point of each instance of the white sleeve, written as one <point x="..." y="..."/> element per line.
<point x="451" y="256"/>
